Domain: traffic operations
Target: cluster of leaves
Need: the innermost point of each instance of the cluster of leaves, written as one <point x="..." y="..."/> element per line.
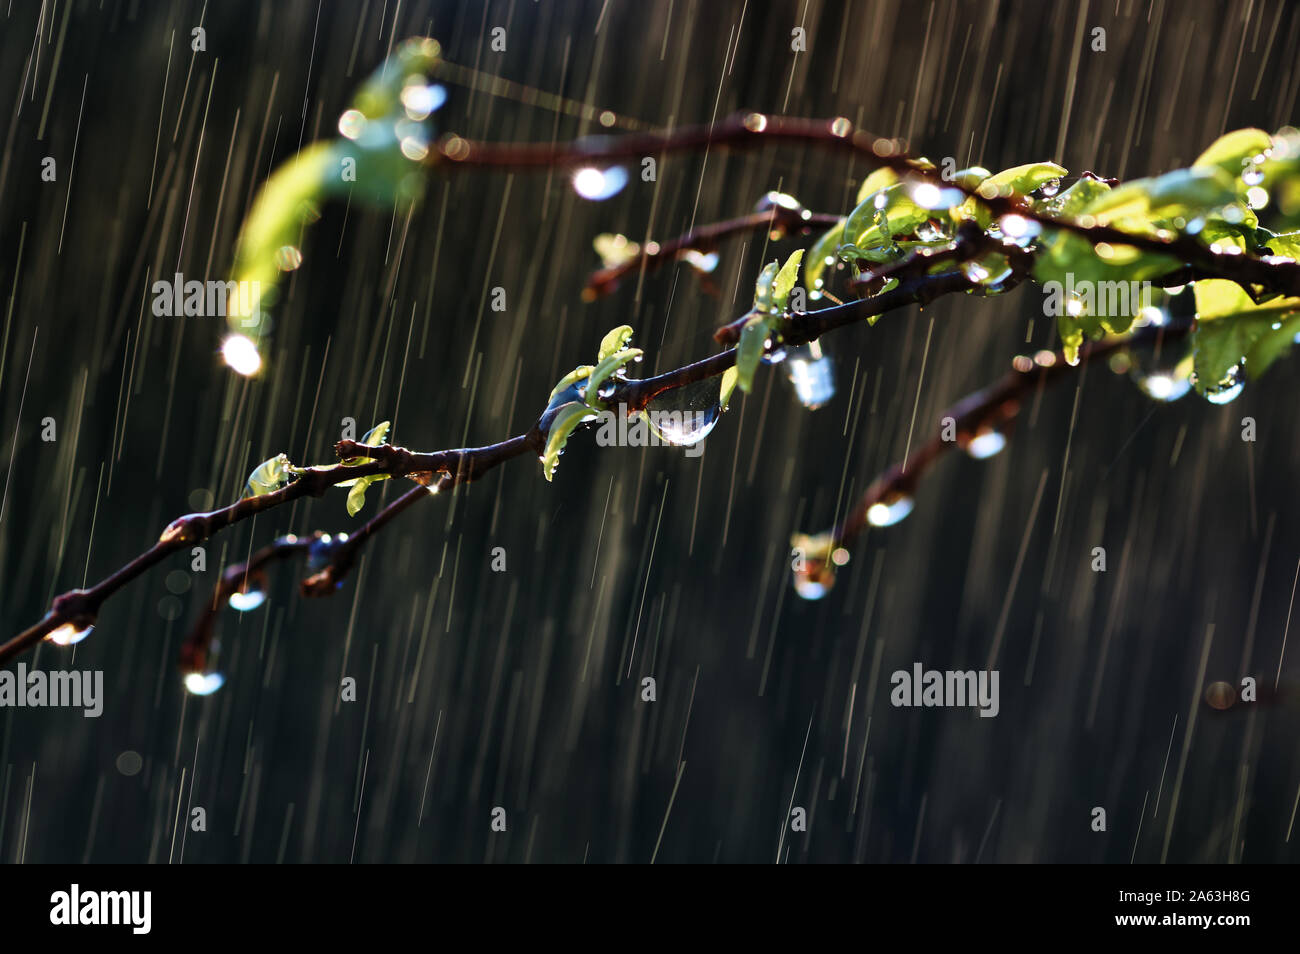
<point x="277" y="472"/>
<point x="576" y="399"/>
<point x="1216" y="201"/>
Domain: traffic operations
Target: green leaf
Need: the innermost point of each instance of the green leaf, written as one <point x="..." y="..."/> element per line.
<point x="1068" y="203"/>
<point x="821" y="255"/>
<point x="1020" y="180"/>
<point x="1230" y="150"/>
<point x="614" y="341"/>
<point x="753" y="339"/>
<point x="1231" y="328"/>
<point x="374" y="437"/>
<point x="763" y="288"/>
<point x="785" y="280"/>
<point x="268" y="476"/>
<point x="901" y="218"/>
<point x="563" y="424"/>
<point x="357" y="495"/>
<point x="607" y="367"/>
<point x="879" y="179"/>
<point x="729" y="379"/>
<point x="1139" y="206"/>
<point x="569" y="380"/>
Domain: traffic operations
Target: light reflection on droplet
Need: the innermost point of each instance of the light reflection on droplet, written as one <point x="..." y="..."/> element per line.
<point x="1163" y="385"/>
<point x="352" y="123"/>
<point x="241" y="355"/>
<point x="599" y="184"/>
<point x="986" y="444"/>
<point x="887" y="512"/>
<point x="204" y="683"/>
<point x="811" y="375"/>
<point x="288" y="257"/>
<point x="420" y="100"/>
<point x="69" y="634"/>
<point x="247" y="600"/>
<point x="930" y="196"/>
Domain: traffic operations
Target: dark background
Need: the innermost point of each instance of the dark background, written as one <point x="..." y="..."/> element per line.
<point x="520" y="689"/>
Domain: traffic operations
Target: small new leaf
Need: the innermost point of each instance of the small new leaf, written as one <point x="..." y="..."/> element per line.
<point x="614" y="341"/>
<point x="357" y="495"/>
<point x="785" y="281"/>
<point x="569" y="380"/>
<point x="753" y="339"/>
<point x="268" y="477"/>
<point x="563" y="424"/>
<point x="609" y="365"/>
<point x="729" y="379"/>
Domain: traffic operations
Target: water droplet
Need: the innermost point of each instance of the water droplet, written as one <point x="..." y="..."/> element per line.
<point x="599" y="184"/>
<point x="1252" y="175"/>
<point x="986" y="444"/>
<point x="887" y="512"/>
<point x="974" y="271"/>
<point x="129" y="763"/>
<point x="931" y="231"/>
<point x="1256" y="197"/>
<point x="1049" y="188"/>
<point x="841" y="127"/>
<point x="776" y="355"/>
<point x="249" y="598"/>
<point x="288" y="257"/>
<point x="686" y="415"/>
<point x="773" y="200"/>
<point x="178" y="581"/>
<point x="1019" y="229"/>
<point x="1220" y="695"/>
<point x="930" y="196"/>
<point x="204" y="683"/>
<point x="756" y="122"/>
<point x="1226" y="390"/>
<point x="814" y="581"/>
<point x="241" y="355"/>
<point x="69" y="634"/>
<point x="810" y="373"/>
<point x="1162" y="385"/>
<point x="703" y="262"/>
<point x="322" y="550"/>
<point x="420" y="99"/>
<point x="352" y="123"/>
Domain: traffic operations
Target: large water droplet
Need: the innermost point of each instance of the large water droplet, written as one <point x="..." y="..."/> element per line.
<point x="203" y="683"/>
<point x="685" y="415"/>
<point x="810" y="373"/>
<point x="69" y="634"/>
<point x="598" y="184"/>
<point x="887" y="512"/>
